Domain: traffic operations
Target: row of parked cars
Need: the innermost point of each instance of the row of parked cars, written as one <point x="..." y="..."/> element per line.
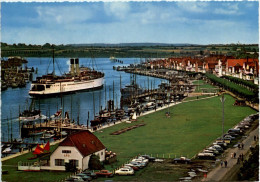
<point x="135" y="165"/>
<point x="221" y="143"/>
<point x="128" y="169"/>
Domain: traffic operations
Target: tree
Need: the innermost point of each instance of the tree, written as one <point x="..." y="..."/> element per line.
<point x="70" y="167"/>
<point x="94" y="163"/>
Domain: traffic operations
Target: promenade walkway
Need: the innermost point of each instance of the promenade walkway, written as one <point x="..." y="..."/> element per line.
<point x="218" y="173"/>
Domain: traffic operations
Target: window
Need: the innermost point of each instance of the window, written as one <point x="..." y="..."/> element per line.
<point x="59" y="162"/>
<point x="66" y="151"/>
<point x="48" y="86"/>
<point x="75" y="162"/>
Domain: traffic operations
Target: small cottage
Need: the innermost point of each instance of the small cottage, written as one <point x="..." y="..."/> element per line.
<point x="78" y="148"/>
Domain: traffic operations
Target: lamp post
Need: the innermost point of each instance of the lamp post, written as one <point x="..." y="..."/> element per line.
<point x="222" y="99"/>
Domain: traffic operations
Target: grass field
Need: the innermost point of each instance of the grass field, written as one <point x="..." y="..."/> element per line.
<point x="191" y="127"/>
<point x="202" y="84"/>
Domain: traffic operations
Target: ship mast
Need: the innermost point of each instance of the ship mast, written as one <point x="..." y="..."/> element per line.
<point x="53" y="73"/>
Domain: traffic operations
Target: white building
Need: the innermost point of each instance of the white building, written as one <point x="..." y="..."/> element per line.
<point x="77" y="147"/>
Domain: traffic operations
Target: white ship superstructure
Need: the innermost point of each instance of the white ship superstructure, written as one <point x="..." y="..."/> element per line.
<point x="79" y="78"/>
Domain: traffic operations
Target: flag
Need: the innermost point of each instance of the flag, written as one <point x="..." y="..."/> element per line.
<point x="47" y="146"/>
<point x="38" y="150"/>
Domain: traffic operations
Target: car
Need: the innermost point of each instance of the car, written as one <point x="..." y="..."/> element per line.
<point x="77" y="178"/>
<point x="218" y="148"/>
<point x="104" y="173"/>
<point x="91" y="174"/>
<point x="183" y="160"/>
<point x="84" y="177"/>
<point x="125" y="171"/>
<point x="209" y="156"/>
<point x="137" y="164"/>
<point x="213" y="149"/>
<point x="151" y="159"/>
<point x="222" y="144"/>
<point x="135" y="168"/>
<point x="140" y="162"/>
<point x="238" y="131"/>
<point x="143" y="159"/>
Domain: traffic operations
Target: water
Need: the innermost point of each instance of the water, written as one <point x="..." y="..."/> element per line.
<point x="80" y="103"/>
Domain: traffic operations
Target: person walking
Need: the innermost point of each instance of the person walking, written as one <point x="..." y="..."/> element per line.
<point x="254" y="138"/>
<point x="221" y="163"/>
<point x="239" y="146"/>
<point x="242" y="157"/>
<point x="225" y="163"/>
<point x="238" y="160"/>
<point x="235" y="154"/>
<point x="242" y="146"/>
<point x="232" y="155"/>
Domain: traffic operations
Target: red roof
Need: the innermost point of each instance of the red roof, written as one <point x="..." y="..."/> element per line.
<point x="86" y="142"/>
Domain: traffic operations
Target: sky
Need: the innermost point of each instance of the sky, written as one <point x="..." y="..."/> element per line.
<point x="211" y="22"/>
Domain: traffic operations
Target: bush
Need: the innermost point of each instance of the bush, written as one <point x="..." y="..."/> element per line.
<point x="94" y="163"/>
<point x="70" y="167"/>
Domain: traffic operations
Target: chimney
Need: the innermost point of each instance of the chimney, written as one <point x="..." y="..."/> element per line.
<point x="77" y="66"/>
<point x="72" y="70"/>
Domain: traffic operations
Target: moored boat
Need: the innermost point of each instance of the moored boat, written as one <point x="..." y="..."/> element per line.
<point x="78" y="79"/>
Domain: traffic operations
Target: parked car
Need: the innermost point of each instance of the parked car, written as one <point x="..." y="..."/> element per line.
<point x="135" y="168"/>
<point x="222" y="144"/>
<point x="125" y="171"/>
<point x="91" y="174"/>
<point x="151" y="159"/>
<point x="137" y="164"/>
<point x="183" y="160"/>
<point x="84" y="177"/>
<point x="140" y="161"/>
<point x="104" y="173"/>
<point x="209" y="156"/>
<point x="213" y="149"/>
<point x="77" y="178"/>
<point x="143" y="159"/>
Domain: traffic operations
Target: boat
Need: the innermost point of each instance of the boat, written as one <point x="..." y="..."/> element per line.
<point x="8" y="149"/>
<point x="31" y="114"/>
<point x="78" y="79"/>
<point x="46" y="136"/>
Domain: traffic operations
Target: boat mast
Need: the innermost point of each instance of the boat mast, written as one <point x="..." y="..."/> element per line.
<point x="53" y="73"/>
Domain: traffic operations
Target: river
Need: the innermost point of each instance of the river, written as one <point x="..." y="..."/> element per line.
<point x="81" y="102"/>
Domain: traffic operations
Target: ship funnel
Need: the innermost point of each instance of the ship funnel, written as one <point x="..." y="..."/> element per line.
<point x="77" y="66"/>
<point x="72" y="69"/>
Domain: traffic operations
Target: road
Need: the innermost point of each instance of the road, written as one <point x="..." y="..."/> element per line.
<point x="218" y="173"/>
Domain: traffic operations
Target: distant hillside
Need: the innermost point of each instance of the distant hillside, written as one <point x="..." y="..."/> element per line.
<point x="132" y="44"/>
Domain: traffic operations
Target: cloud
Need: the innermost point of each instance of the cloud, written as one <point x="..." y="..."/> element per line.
<point x="117" y="9"/>
<point x="228" y="9"/>
<point x="196" y="7"/>
<point x="63" y="14"/>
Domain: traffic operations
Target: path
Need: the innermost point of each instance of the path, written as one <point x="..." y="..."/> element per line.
<point x="219" y="172"/>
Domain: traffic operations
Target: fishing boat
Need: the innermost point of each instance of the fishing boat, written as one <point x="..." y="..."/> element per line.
<point x="29" y="115"/>
<point x="78" y="79"/>
<point x="46" y="136"/>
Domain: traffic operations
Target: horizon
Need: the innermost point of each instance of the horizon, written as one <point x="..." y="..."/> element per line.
<point x="199" y="23"/>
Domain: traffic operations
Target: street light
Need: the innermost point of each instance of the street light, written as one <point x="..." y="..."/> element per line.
<point x="222" y="99"/>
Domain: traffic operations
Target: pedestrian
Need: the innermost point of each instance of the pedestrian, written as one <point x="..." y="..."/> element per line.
<point x="238" y="160"/>
<point x="231" y="155"/>
<point x="239" y="146"/>
<point x="242" y="157"/>
<point x="242" y="146"/>
<point x="225" y="163"/>
<point x="254" y="138"/>
<point x="221" y="163"/>
<point x="235" y="154"/>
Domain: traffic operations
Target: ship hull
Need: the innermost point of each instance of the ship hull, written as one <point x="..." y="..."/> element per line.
<point x="67" y="87"/>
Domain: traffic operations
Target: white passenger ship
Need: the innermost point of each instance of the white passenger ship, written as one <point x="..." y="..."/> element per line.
<point x="78" y="79"/>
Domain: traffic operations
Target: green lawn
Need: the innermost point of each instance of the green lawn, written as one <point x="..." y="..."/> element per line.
<point x="191" y="127"/>
<point x="202" y="84"/>
<point x="196" y="97"/>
